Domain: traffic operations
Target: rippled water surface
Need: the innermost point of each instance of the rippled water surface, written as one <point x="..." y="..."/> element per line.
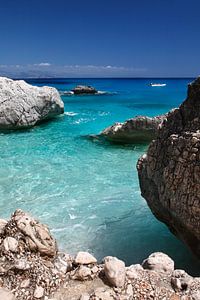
<point x="88" y="192"/>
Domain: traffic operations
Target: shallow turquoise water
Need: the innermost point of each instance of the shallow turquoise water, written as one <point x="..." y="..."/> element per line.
<point x="88" y="192"/>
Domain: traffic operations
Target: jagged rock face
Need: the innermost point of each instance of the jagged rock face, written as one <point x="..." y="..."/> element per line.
<point x="138" y="129"/>
<point x="169" y="173"/>
<point x="23" y="105"/>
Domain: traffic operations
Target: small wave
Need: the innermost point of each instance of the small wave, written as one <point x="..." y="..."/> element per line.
<point x="92" y="217"/>
<point x="104" y="113"/>
<point x="79" y="226"/>
<point x="67" y="93"/>
<point x="84" y="120"/>
<point x="59" y="229"/>
<point x="70" y="113"/>
<point x="72" y="217"/>
<point x="99" y="93"/>
<point x="105" y="93"/>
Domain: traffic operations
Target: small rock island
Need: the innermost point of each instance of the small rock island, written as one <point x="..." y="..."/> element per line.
<point x="138" y="129"/>
<point x="84" y="89"/>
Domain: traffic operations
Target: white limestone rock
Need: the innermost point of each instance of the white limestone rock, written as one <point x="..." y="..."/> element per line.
<point x="85" y="258"/>
<point x="159" y="262"/>
<point x="180" y="280"/>
<point x="39" y="292"/>
<point x="115" y="271"/>
<point x="82" y="273"/>
<point x="133" y="271"/>
<point x="85" y="297"/>
<point x="6" y="295"/>
<point x="10" y="244"/>
<point x="23" y="105"/>
<point x="37" y="235"/>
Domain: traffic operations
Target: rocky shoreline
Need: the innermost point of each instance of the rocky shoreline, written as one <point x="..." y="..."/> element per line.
<point x="31" y="267"/>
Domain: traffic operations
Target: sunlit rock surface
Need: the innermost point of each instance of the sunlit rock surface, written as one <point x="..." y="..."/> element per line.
<point x="23" y="105"/>
<point x="138" y="129"/>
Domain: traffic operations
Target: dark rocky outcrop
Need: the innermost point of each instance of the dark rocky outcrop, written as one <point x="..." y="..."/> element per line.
<point x="23" y="105"/>
<point x="138" y="129"/>
<point x="169" y="173"/>
<point x="84" y="89"/>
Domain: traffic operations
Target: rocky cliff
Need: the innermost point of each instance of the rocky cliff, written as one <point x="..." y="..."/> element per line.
<point x="169" y="173"/>
<point x="23" y="105"/>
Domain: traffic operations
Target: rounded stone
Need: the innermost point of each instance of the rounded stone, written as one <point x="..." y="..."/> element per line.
<point x="159" y="262"/>
<point x="85" y="258"/>
<point x="115" y="271"/>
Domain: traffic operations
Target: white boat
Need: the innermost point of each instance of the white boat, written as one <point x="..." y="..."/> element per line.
<point x="158" y="84"/>
<point x="68" y="93"/>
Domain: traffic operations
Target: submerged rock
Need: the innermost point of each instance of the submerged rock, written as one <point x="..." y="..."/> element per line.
<point x="138" y="129"/>
<point x="23" y="105"/>
<point x="169" y="173"/>
<point x="84" y="89"/>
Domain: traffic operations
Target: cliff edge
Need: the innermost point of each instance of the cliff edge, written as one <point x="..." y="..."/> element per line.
<point x="169" y="174"/>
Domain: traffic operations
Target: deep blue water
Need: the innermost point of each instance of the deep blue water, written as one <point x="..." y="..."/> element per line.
<point x="88" y="192"/>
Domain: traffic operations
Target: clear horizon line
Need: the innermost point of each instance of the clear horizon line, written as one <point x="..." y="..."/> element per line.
<point x="129" y="77"/>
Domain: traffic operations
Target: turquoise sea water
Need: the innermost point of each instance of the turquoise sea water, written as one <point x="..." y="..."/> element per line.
<point x="88" y="192"/>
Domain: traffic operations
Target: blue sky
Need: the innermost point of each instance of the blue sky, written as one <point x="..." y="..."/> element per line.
<point x="99" y="38"/>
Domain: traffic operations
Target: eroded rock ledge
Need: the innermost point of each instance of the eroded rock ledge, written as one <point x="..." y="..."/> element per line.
<point x="169" y="173"/>
<point x="23" y="105"/>
<point x="31" y="267"/>
<point x="138" y="129"/>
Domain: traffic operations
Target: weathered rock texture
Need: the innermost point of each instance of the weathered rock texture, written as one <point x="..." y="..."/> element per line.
<point x="138" y="129"/>
<point x="169" y="173"/>
<point x="31" y="268"/>
<point x="28" y="257"/>
<point x="23" y="105"/>
<point x="84" y="89"/>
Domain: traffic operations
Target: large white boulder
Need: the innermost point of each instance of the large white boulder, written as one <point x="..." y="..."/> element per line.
<point x="24" y="105"/>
